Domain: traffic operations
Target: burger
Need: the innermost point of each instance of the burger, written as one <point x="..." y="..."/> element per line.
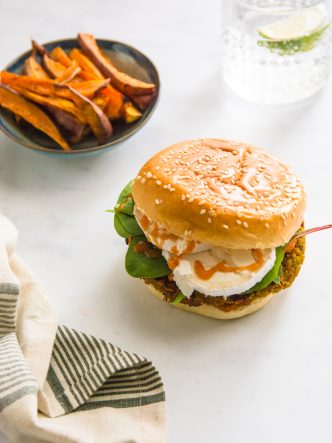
<point x="213" y="226"/>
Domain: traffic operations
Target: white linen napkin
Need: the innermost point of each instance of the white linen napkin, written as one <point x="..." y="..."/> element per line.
<point x="61" y="385"/>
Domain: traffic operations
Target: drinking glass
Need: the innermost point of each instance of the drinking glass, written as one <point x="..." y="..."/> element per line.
<point x="276" y="52"/>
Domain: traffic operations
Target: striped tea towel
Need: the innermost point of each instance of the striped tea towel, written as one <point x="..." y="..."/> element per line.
<point x="60" y="385"/>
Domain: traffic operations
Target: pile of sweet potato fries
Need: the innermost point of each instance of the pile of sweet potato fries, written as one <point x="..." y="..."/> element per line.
<point x="69" y="95"/>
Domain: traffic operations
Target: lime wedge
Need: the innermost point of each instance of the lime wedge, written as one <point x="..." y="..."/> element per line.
<point x="291" y="47"/>
<point x="299" y="24"/>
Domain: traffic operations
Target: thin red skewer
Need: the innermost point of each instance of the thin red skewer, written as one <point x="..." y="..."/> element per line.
<point x="310" y="231"/>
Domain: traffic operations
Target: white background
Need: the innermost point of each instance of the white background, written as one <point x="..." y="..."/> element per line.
<point x="264" y="378"/>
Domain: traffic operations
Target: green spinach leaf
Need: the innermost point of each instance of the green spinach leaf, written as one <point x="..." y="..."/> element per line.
<point x="126" y="225"/>
<point x="178" y="299"/>
<point x="273" y="275"/>
<point x="125" y="203"/>
<point x="139" y="265"/>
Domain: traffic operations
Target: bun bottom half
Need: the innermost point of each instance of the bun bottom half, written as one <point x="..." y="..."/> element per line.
<point x="212" y="311"/>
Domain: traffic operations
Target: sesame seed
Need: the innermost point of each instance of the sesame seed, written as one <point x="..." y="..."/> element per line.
<point x="183" y="197"/>
<point x="157" y="201"/>
<point x="245" y="224"/>
<point x="172" y="189"/>
<point x="225" y="226"/>
<point x="148" y="175"/>
<point x="191" y="200"/>
<point x="203" y="211"/>
<point x="267" y="225"/>
<point x="239" y="222"/>
<point x="143" y="180"/>
<point x="157" y="168"/>
<point x="158" y="182"/>
<point x="209" y="220"/>
<point x="138" y="177"/>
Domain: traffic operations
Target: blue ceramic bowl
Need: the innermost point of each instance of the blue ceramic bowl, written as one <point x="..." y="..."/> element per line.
<point x="128" y="59"/>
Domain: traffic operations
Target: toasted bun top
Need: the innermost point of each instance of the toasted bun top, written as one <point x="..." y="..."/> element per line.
<point x="222" y="192"/>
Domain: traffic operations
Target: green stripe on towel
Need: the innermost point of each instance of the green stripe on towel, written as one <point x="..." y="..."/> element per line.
<point x="88" y="373"/>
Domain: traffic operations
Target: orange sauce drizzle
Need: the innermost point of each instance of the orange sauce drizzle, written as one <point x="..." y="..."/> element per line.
<point x="190" y="247"/>
<point x="140" y="247"/>
<point x="174" y="260"/>
<point x="174" y="250"/>
<point x="143" y="247"/>
<point x="144" y="222"/>
<point x="158" y="236"/>
<point x="206" y="274"/>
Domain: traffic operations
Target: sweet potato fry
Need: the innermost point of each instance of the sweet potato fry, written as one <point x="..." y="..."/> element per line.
<point x="143" y="101"/>
<point x="56" y="102"/>
<point x="59" y="55"/>
<point x="123" y="82"/>
<point x="40" y="86"/>
<point x="39" y="48"/>
<point x="85" y="63"/>
<point x="53" y="68"/>
<point x="32" y="68"/>
<point x="86" y="76"/>
<point x="68" y="122"/>
<point x="97" y="120"/>
<point x="28" y="111"/>
<point x="101" y="101"/>
<point x="131" y="113"/>
<point x="69" y="74"/>
<point x="117" y="101"/>
<point x="48" y="87"/>
<point x="92" y="88"/>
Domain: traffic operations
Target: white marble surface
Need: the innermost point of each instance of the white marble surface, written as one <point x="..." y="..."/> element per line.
<point x="263" y="378"/>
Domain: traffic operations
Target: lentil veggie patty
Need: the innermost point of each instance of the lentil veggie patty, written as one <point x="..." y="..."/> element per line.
<point x="291" y="266"/>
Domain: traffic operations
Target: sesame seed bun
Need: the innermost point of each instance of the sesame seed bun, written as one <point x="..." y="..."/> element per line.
<point x="222" y="192"/>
